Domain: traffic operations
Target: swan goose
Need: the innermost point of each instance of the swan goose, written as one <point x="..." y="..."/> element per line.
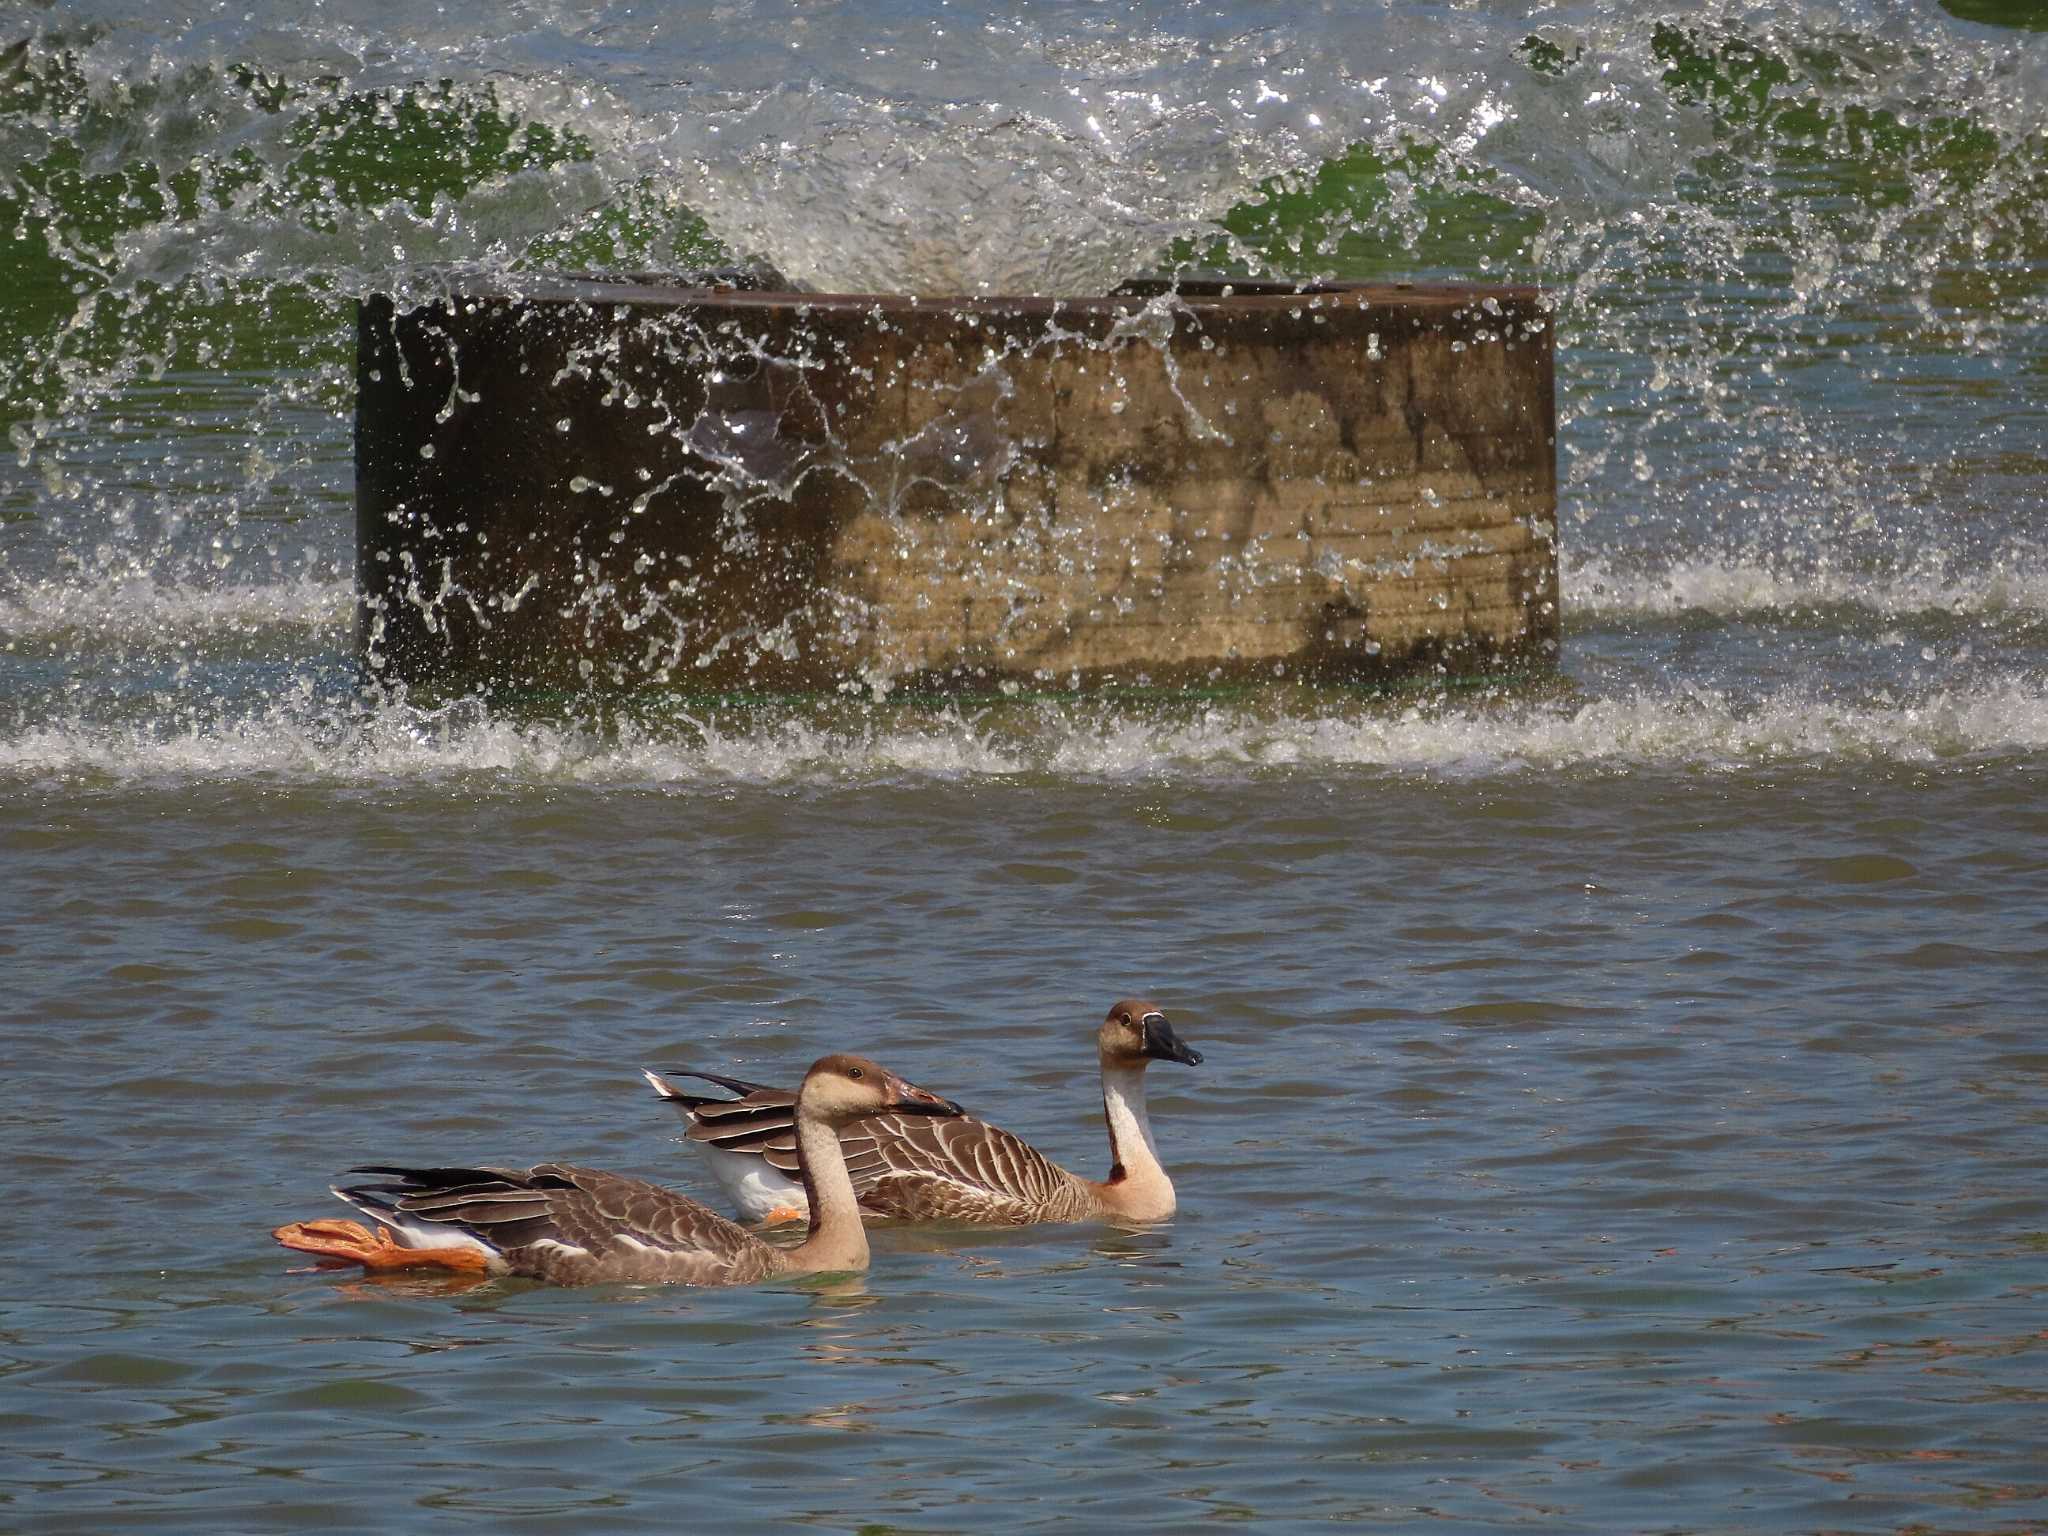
<point x="960" y="1170"/>
<point x="582" y="1226"/>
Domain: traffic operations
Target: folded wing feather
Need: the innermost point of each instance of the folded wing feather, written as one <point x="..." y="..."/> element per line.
<point x="891" y="1158"/>
<point x="555" y="1217"/>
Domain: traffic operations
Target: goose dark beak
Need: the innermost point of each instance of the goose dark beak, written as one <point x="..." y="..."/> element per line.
<point x="1162" y="1044"/>
<point x="910" y="1099"/>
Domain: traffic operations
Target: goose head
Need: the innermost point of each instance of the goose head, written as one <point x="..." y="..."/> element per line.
<point x="1137" y="1032"/>
<point x="843" y="1088"/>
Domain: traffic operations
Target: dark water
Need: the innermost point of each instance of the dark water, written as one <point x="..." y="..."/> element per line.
<point x="1624" y="1100"/>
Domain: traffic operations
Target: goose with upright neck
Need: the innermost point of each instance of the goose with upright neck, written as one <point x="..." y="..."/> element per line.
<point x="963" y="1169"/>
<point x="583" y="1226"/>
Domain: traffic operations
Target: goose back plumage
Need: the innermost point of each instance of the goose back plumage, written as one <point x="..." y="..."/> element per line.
<point x="567" y="1224"/>
<point x="962" y="1169"/>
<point x="974" y="1171"/>
<point x="581" y="1226"/>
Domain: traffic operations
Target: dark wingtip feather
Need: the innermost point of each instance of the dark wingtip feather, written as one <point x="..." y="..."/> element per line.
<point x="432" y="1175"/>
<point x="737" y="1085"/>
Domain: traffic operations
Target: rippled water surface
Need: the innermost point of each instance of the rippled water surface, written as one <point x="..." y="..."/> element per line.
<point x="1655" y="1149"/>
<point x="1625" y="1105"/>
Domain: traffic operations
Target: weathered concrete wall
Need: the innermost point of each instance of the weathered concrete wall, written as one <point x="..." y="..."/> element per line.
<point x="635" y="485"/>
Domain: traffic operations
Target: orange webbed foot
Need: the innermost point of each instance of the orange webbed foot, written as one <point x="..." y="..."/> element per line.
<point x="340" y="1242"/>
<point x="350" y="1242"/>
<point x="783" y="1213"/>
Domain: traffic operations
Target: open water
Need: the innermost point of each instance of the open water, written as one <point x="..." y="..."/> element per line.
<point x="1626" y="1101"/>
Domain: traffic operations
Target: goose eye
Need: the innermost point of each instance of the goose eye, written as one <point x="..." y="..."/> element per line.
<point x="1123" y="1018"/>
<point x="855" y="1072"/>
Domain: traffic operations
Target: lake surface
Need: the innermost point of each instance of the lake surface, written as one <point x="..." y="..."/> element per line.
<point x="1625" y="1103"/>
<point x="1650" y="1140"/>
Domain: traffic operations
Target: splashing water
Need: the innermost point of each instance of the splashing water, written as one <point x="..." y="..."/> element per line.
<point x="1635" y="1077"/>
<point x="1798" y="253"/>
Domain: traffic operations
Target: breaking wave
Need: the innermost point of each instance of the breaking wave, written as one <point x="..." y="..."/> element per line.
<point x="308" y="740"/>
<point x="2010" y="590"/>
<point x="140" y="609"/>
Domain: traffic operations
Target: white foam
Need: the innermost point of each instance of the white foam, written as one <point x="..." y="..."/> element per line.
<point x="136" y="608"/>
<point x="1687" y="728"/>
<point x="2012" y="588"/>
<point x="140" y="609"/>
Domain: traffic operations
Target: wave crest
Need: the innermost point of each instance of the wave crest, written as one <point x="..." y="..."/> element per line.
<point x="139" y="609"/>
<point x="1690" y="729"/>
<point x="2012" y="589"/>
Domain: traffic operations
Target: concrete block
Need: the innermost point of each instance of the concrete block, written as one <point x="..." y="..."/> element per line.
<point x="633" y="485"/>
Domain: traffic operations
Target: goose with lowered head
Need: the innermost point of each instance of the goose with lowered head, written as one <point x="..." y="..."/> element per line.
<point x="961" y="1169"/>
<point x="582" y="1226"/>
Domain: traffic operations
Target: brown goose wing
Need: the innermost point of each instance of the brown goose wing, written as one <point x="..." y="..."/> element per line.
<point x="756" y="1119"/>
<point x="761" y="1122"/>
<point x="999" y="1175"/>
<point x="960" y="1169"/>
<point x="576" y="1225"/>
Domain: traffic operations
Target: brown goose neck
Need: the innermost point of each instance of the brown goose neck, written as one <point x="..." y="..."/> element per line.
<point x="1137" y="1187"/>
<point x="837" y="1239"/>
<point x="1130" y="1128"/>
